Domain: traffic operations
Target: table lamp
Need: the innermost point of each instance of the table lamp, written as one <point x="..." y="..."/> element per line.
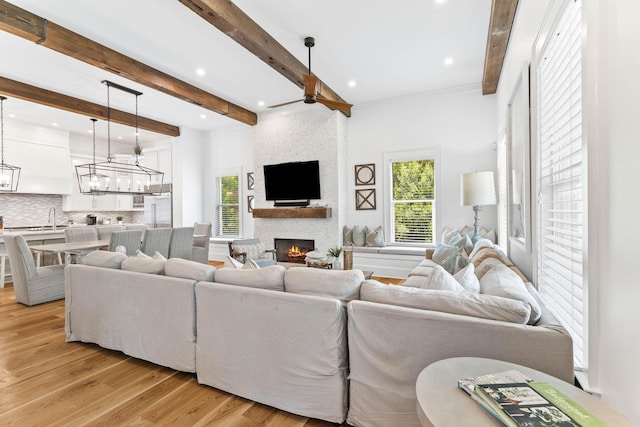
<point x="477" y="189"/>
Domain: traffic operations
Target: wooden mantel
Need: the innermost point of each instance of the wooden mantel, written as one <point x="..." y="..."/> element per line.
<point x="292" y="213"/>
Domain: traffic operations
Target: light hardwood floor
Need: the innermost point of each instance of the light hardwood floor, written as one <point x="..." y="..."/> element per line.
<point x="45" y="381"/>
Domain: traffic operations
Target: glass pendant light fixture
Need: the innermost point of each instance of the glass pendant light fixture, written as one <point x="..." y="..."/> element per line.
<point x="111" y="177"/>
<point x="9" y="175"/>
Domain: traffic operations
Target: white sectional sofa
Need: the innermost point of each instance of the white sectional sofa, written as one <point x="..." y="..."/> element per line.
<point x="319" y="343"/>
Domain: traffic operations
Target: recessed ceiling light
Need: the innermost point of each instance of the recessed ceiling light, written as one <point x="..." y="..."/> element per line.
<point x="261" y="103"/>
<point x="12" y="115"/>
<point x="203" y="116"/>
<point x="119" y="137"/>
<point x="90" y="131"/>
<point x="352" y="83"/>
<point x="440" y="1"/>
<point x="448" y="61"/>
<point x="136" y="134"/>
<point x="54" y="124"/>
<point x="200" y="71"/>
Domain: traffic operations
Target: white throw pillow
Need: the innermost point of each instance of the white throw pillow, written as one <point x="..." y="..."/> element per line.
<point x="467" y="278"/>
<point x="271" y="277"/>
<point x="187" y="269"/>
<point x="374" y="237"/>
<point x="439" y="279"/>
<point x="501" y="281"/>
<point x="462" y="303"/>
<point x="104" y="259"/>
<point x="159" y="256"/>
<point x="143" y="265"/>
<point x="341" y="284"/>
<point x="141" y="254"/>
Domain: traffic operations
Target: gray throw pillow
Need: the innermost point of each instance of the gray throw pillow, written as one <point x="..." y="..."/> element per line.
<point x="374" y="237"/>
<point x="359" y="237"/>
<point x="347" y="235"/>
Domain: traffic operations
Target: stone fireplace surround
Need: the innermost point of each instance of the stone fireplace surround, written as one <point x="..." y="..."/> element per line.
<point x="312" y="134"/>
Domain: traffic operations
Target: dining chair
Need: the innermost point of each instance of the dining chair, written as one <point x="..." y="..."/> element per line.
<point x="104" y="231"/>
<point x="181" y="242"/>
<point x="156" y="239"/>
<point x="130" y="239"/>
<point x="80" y="234"/>
<point x="32" y="285"/>
<point x="201" y="242"/>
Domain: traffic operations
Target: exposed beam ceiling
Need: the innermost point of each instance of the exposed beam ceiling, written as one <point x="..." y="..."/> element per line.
<point x="29" y="26"/>
<point x="502" y="15"/>
<point x="16" y="89"/>
<point x="228" y="18"/>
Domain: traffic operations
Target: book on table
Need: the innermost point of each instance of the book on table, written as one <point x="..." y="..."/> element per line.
<point x="518" y="401"/>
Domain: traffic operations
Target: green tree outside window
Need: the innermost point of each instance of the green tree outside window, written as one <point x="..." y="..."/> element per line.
<point x="413" y="201"/>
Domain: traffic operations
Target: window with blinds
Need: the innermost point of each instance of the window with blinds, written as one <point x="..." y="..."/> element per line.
<point x="412" y="201"/>
<point x="560" y="177"/>
<point x="228" y="206"/>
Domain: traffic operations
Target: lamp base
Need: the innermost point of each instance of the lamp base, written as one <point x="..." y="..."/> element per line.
<point x="476" y="229"/>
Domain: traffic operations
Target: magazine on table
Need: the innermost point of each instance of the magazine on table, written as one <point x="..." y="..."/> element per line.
<point x="516" y="400"/>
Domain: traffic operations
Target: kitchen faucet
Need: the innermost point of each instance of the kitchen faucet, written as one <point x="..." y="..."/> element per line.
<point x="54" y="217"/>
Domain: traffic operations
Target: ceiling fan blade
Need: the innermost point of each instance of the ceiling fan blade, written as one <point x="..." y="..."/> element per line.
<point x="284" y="103"/>
<point x="309" y="85"/>
<point x="336" y="105"/>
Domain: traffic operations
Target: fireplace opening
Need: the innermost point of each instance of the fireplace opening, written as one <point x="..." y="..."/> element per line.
<point x="293" y="250"/>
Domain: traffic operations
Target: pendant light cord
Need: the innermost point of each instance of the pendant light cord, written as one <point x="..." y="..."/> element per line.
<point x="108" y="124"/>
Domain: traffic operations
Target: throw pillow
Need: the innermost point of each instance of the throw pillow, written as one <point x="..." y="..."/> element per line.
<point x="347" y="235"/>
<point x="121" y="249"/>
<point x="359" y="237"/>
<point x="463" y="242"/>
<point x="159" y="256"/>
<point x="501" y="281"/>
<point x="250" y="265"/>
<point x="374" y="237"/>
<point x="141" y="254"/>
<point x="467" y="278"/>
<point x="438" y="279"/>
<point x="104" y="259"/>
<point x="462" y="303"/>
<point x="187" y="269"/>
<point x="452" y="257"/>
<point x="480" y="244"/>
<point x="448" y="234"/>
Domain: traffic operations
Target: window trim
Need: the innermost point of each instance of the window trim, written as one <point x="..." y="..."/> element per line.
<point x="433" y="153"/>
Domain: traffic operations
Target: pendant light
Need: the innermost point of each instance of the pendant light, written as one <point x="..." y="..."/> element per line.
<point x="111" y="177"/>
<point x="9" y="175"/>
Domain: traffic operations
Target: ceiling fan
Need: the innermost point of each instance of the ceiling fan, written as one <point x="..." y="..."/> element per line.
<point x="311" y="96"/>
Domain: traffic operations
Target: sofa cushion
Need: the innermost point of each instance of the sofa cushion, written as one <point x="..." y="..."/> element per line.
<point x="425" y="268"/>
<point x="462" y="303"/>
<point x="467" y="278"/>
<point x="187" y="269"/>
<point x="341" y="284"/>
<point x="480" y="244"/>
<point x="104" y="259"/>
<point x="143" y="265"/>
<point x="271" y="277"/>
<point x="487" y="253"/>
<point x="374" y="237"/>
<point x="501" y="281"/>
<point x="438" y="279"/>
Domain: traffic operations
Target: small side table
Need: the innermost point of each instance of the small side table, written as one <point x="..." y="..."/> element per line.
<point x="441" y="403"/>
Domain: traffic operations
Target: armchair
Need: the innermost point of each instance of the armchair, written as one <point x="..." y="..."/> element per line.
<point x="246" y="249"/>
<point x="32" y="285"/>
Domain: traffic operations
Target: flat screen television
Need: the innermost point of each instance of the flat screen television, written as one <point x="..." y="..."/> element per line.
<point x="292" y="182"/>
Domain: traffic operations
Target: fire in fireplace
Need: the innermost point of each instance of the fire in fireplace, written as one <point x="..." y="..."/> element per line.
<point x="293" y="250"/>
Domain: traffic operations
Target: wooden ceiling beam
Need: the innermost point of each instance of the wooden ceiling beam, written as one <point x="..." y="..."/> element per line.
<point x="228" y="18"/>
<point x="32" y="27"/>
<point x="502" y="15"/>
<point x="16" y="89"/>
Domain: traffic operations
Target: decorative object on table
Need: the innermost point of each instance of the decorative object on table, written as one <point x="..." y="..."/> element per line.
<point x="335" y="253"/>
<point x="250" y="203"/>
<point x="477" y="189"/>
<point x="317" y="259"/>
<point x="119" y="219"/>
<point x="365" y="174"/>
<point x="251" y="181"/>
<point x="366" y="199"/>
<point x="111" y="177"/>
<point x="9" y="175"/>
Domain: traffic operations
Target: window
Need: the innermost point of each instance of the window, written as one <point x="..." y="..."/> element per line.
<point x="561" y="178"/>
<point x="228" y="206"/>
<point x="412" y="201"/>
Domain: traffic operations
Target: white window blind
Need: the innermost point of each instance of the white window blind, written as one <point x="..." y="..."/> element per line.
<point x="560" y="175"/>
<point x="228" y="206"/>
<point x="413" y="201"/>
<point x="503" y="223"/>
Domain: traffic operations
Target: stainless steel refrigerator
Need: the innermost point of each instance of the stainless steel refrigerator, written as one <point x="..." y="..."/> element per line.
<point x="157" y="211"/>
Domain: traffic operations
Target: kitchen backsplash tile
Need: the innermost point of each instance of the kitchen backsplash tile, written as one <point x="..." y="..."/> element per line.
<point x="20" y="210"/>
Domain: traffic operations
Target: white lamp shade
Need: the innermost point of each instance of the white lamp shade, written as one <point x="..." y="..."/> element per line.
<point x="477" y="188"/>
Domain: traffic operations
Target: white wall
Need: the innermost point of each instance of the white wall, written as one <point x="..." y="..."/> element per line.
<point x="459" y="123"/>
<point x="188" y="162"/>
